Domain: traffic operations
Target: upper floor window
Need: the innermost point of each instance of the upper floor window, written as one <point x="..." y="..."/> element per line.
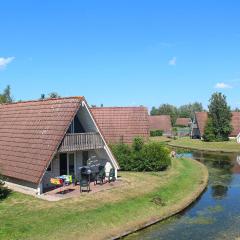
<point x="49" y="169"/>
<point x="76" y="126"/>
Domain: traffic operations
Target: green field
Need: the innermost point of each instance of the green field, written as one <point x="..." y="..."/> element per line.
<point x="141" y="198"/>
<point x="186" y="142"/>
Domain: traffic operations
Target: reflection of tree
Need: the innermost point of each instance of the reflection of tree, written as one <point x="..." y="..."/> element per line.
<point x="219" y="191"/>
<point x="219" y="167"/>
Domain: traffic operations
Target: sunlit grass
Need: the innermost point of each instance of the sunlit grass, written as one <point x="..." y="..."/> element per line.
<point x="186" y="142"/>
<point x="101" y="215"/>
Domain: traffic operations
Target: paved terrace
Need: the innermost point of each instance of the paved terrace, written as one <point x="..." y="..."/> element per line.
<point x="70" y="191"/>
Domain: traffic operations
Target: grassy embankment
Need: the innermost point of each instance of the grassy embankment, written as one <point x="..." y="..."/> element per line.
<point x="186" y="142"/>
<point x="141" y="199"/>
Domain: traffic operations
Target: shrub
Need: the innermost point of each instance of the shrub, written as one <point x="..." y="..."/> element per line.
<point x="155" y="157"/>
<point x="123" y="154"/>
<point x="142" y="156"/>
<point x="138" y="143"/>
<point x="156" y="133"/>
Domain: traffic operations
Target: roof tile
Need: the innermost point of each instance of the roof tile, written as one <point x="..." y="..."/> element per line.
<point x="160" y="122"/>
<point x="122" y="123"/>
<point x="30" y="133"/>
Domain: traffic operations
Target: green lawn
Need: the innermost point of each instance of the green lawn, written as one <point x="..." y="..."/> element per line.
<point x="104" y="214"/>
<point x="160" y="139"/>
<point x="186" y="142"/>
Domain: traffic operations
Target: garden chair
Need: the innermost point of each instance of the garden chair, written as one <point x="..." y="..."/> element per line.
<point x="111" y="176"/>
<point x="101" y="175"/>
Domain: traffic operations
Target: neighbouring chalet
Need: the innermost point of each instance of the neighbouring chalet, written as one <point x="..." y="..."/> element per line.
<point x="44" y="139"/>
<point x="122" y="124"/>
<point x="161" y="122"/>
<point x="183" y="122"/>
<point x="200" y="120"/>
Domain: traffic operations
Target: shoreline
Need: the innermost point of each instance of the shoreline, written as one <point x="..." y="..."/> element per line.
<point x="202" y="149"/>
<point x="114" y="213"/>
<point x="177" y="208"/>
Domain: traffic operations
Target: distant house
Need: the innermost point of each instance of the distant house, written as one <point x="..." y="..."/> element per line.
<point x="184" y="122"/>
<point x="161" y="122"/>
<point x="198" y="125"/>
<point x="236" y="124"/>
<point x="122" y="124"/>
<point x="200" y="121"/>
<point x="44" y="139"/>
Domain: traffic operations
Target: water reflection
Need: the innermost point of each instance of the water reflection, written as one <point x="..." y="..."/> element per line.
<point x="216" y="214"/>
<point x="220" y="171"/>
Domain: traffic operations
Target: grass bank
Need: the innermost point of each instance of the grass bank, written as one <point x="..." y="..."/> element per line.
<point x="228" y="146"/>
<point x="161" y="139"/>
<point x="144" y="198"/>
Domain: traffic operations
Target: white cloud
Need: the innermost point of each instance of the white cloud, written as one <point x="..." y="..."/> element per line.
<point x="5" y="61"/>
<point x="222" y="85"/>
<point x="172" y="61"/>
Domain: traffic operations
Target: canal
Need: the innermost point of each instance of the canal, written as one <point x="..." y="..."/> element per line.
<point x="216" y="214"/>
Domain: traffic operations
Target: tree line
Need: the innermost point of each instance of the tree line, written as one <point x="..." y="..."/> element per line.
<point x="6" y="96"/>
<point x="184" y="111"/>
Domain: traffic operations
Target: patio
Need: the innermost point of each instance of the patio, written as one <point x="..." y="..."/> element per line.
<point x="70" y="191"/>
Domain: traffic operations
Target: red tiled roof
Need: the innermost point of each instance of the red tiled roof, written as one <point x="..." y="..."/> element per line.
<point x="160" y="122"/>
<point x="30" y="133"/>
<point x="183" y="122"/>
<point x="235" y="123"/>
<point x="202" y="117"/>
<point x="122" y="124"/>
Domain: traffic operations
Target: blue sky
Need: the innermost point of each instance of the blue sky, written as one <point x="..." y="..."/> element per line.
<point x="121" y="52"/>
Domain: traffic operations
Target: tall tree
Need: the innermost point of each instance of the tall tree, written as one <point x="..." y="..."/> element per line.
<point x="219" y="125"/>
<point x="5" y="97"/>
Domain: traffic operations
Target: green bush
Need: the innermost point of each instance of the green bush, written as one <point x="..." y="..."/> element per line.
<point x="156" y="133"/>
<point x="142" y="156"/>
<point x="123" y="154"/>
<point x="138" y="144"/>
<point x="155" y="157"/>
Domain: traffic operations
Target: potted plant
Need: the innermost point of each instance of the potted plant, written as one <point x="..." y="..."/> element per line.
<point x="75" y="181"/>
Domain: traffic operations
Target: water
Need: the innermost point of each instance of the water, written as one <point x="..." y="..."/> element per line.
<point x="215" y="215"/>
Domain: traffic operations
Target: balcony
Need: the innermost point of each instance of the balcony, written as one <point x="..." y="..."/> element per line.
<point x="81" y="141"/>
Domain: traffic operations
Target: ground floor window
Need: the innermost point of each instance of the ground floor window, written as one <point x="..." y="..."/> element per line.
<point x="67" y="164"/>
<point x="71" y="164"/>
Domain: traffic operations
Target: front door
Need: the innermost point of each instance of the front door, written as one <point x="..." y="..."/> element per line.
<point x="63" y="164"/>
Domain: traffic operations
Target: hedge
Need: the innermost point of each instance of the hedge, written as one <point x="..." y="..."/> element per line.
<point x="140" y="156"/>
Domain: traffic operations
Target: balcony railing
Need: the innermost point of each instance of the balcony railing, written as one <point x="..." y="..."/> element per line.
<point x="81" y="141"/>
